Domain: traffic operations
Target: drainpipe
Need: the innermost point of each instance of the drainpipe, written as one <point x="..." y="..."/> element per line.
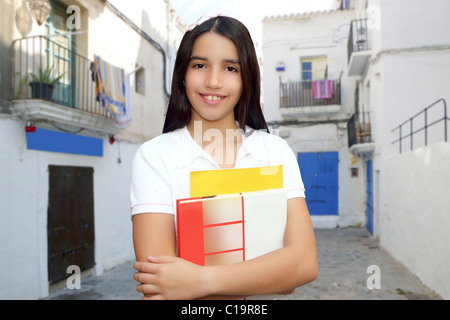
<point x="168" y="36"/>
<point x="142" y="33"/>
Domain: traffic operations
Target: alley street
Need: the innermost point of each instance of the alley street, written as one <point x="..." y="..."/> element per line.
<point x="344" y="254"/>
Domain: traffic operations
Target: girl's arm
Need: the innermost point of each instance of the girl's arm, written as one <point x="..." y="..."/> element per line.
<point x="153" y="234"/>
<point x="279" y="271"/>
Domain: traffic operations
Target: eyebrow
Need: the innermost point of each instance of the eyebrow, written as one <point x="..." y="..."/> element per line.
<point x="235" y="61"/>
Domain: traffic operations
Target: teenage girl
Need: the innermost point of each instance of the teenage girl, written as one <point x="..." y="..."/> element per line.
<point x="215" y="91"/>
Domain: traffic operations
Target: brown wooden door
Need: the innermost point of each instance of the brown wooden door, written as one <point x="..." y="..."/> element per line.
<point x="70" y="220"/>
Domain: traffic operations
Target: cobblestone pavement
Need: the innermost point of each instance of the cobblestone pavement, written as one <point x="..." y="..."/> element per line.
<point x="344" y="255"/>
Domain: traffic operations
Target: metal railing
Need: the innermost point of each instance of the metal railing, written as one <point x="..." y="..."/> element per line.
<point x="412" y="130"/>
<point x="358" y="37"/>
<point x="359" y="129"/>
<point x="41" y="56"/>
<point x="302" y="94"/>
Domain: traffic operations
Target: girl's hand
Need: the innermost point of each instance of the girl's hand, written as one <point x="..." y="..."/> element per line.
<point x="170" y="278"/>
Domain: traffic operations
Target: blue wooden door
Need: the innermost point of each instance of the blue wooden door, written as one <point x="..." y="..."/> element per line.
<point x="320" y="176"/>
<point x="369" y="196"/>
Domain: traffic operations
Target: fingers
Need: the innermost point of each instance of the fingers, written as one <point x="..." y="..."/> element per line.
<point x="147" y="285"/>
<point x="144" y="277"/>
<point x="151" y="265"/>
<point x="147" y="289"/>
<point x="161" y="259"/>
<point x="150" y="276"/>
<point x="146" y="267"/>
<point x="152" y="297"/>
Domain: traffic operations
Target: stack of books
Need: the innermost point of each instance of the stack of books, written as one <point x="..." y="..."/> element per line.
<point x="232" y="215"/>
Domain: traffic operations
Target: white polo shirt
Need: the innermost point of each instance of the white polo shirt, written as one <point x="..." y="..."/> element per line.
<point x="161" y="167"/>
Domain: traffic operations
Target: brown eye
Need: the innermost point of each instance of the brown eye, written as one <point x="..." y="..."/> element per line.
<point x="199" y="66"/>
<point x="231" y="69"/>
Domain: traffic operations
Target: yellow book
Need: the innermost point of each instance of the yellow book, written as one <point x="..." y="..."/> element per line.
<point x="226" y="181"/>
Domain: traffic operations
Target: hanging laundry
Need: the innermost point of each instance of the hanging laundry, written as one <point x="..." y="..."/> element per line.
<point x="323" y="89"/>
<point x="110" y="86"/>
<point x="123" y="120"/>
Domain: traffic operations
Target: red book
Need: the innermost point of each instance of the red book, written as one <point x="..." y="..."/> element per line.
<point x="231" y="228"/>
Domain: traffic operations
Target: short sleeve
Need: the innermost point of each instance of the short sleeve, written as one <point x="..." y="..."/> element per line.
<point x="150" y="190"/>
<point x="292" y="178"/>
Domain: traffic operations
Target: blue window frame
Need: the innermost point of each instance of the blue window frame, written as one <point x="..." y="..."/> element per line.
<point x="306" y="71"/>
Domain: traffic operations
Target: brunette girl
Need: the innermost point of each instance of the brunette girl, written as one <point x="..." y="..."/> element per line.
<point x="215" y="89"/>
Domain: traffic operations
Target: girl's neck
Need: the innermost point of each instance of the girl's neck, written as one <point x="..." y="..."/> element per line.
<point x="205" y="126"/>
<point x="221" y="140"/>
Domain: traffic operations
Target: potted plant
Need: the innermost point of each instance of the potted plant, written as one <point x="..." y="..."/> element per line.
<point x="42" y="83"/>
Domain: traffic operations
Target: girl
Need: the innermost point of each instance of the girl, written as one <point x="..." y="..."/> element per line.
<point x="215" y="91"/>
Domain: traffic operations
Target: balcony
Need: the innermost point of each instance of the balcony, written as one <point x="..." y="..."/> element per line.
<point x="71" y="105"/>
<point x="360" y="134"/>
<point x="305" y="98"/>
<point x="358" y="48"/>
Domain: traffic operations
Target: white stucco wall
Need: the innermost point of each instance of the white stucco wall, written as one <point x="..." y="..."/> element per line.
<point x="410" y="23"/>
<point x="415" y="220"/>
<point x="24" y="187"/>
<point x="411" y="82"/>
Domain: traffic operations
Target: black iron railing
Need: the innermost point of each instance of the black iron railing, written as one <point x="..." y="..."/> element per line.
<point x="310" y="93"/>
<point x="416" y="125"/>
<point x="358" y="37"/>
<point x="41" y="57"/>
<point x="358" y="129"/>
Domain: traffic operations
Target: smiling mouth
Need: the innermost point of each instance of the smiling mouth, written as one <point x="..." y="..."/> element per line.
<point x="212" y="97"/>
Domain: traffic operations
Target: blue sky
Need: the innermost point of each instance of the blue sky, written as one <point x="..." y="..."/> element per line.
<point x="250" y="12"/>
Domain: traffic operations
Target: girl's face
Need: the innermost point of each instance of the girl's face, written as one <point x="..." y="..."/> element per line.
<point x="213" y="78"/>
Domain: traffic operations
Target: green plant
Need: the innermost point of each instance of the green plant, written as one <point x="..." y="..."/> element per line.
<point x="21" y="90"/>
<point x="45" y="76"/>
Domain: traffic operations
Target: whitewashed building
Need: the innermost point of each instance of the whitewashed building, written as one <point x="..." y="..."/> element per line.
<point x="400" y="57"/>
<point x="392" y="60"/>
<point x="64" y="160"/>
<point x="302" y="52"/>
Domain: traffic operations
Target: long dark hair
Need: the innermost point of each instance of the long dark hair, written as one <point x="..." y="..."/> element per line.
<point x="248" y="109"/>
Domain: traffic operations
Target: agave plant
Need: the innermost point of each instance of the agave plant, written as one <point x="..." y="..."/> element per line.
<point x="45" y="76"/>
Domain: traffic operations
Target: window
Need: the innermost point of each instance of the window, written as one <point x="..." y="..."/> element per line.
<point x="140" y="81"/>
<point x="306" y="71"/>
<point x="313" y="68"/>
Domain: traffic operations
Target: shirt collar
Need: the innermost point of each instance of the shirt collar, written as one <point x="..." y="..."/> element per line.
<point x="187" y="150"/>
<point x="253" y="144"/>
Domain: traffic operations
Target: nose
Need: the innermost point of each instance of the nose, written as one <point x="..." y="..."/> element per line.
<point x="213" y="80"/>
